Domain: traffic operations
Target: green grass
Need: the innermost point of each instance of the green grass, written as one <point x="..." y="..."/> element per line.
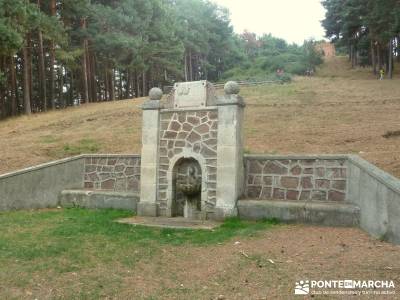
<point x="71" y="239"/>
<point x="87" y="255"/>
<point x="83" y="146"/>
<point x="49" y="139"/>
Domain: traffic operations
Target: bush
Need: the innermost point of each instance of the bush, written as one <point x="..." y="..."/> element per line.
<point x="292" y="59"/>
<point x="297" y="68"/>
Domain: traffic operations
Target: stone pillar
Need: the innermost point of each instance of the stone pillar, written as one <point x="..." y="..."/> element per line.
<point x="149" y="159"/>
<point x="230" y="168"/>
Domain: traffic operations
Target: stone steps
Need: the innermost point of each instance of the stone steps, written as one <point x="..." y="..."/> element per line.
<point x="98" y="199"/>
<point x="322" y="213"/>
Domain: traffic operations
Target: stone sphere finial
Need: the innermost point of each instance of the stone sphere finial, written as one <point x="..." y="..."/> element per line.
<point x="155" y="94"/>
<point x="232" y="88"/>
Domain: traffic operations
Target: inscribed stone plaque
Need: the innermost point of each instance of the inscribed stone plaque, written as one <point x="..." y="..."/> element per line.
<point x="191" y="94"/>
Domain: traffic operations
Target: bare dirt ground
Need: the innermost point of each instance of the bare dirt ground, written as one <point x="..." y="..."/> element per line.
<point x="245" y="271"/>
<point x="268" y="266"/>
<point x="265" y="266"/>
<point x="338" y="111"/>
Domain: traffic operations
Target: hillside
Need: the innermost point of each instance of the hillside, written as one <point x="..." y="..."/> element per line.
<point x="338" y="111"/>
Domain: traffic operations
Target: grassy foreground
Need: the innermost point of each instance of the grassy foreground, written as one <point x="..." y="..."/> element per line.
<point x="51" y="246"/>
<point x="84" y="254"/>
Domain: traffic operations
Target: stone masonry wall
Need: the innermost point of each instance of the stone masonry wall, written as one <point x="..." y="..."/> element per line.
<point x="295" y="179"/>
<point x="196" y="131"/>
<point x="112" y="172"/>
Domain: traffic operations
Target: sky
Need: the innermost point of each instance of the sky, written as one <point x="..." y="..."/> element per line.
<point x="292" y="20"/>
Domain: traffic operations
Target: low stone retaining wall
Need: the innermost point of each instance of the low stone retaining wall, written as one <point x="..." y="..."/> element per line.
<point x="310" y="182"/>
<point x="40" y="186"/>
<point x="346" y="179"/>
<point x="320" y="178"/>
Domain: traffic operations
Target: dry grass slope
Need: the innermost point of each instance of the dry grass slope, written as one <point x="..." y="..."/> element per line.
<point x="338" y="111"/>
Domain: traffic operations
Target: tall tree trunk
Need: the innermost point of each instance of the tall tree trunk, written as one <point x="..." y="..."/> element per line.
<point x="14" y="88"/>
<point x="111" y="77"/>
<point x="373" y="57"/>
<point x="52" y="75"/>
<point x="349" y="50"/>
<point x="390" y="59"/>
<point x="133" y="84"/>
<point x="71" y="88"/>
<point x="91" y="97"/>
<point x="26" y="88"/>
<point x="106" y="88"/>
<point x="356" y="57"/>
<point x="53" y="12"/>
<point x="186" y="67"/>
<point x="85" y="87"/>
<point x="120" y="96"/>
<point x="150" y="79"/>
<point x="138" y="92"/>
<point x="397" y="48"/>
<point x="29" y="66"/>
<point x="98" y="87"/>
<point x="3" y="109"/>
<point x="61" y="88"/>
<point x="42" y="69"/>
<point x="42" y="73"/>
<point x="379" y="56"/>
<point x="144" y="88"/>
<point x="352" y="55"/>
<point x="190" y="66"/>
<point x="93" y="81"/>
<point x="128" y="84"/>
<point x="85" y="91"/>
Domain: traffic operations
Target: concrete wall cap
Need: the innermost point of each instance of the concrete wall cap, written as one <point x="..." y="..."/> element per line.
<point x="383" y="177"/>
<point x="232" y="99"/>
<point x="41" y="166"/>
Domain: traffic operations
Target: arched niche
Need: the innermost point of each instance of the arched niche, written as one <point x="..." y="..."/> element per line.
<point x="185" y="172"/>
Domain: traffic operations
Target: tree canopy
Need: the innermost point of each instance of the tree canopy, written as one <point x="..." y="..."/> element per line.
<point x="369" y="29"/>
<point x="57" y="53"/>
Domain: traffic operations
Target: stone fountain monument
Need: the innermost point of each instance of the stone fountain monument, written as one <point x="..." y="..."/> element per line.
<point x="192" y="159"/>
